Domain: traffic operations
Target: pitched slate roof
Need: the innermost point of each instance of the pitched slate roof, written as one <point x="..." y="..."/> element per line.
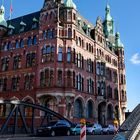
<point x="27" y="19"/>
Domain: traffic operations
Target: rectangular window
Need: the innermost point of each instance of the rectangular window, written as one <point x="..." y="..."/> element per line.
<point x="30" y="59"/>
<point x="16" y="63"/>
<point x="3" y="84"/>
<point x="60" y="54"/>
<point x="69" y="55"/>
<point x="5" y="64"/>
<point x="15" y="83"/>
<point x="28" y="82"/>
<point x="90" y="86"/>
<point x="59" y="77"/>
<point x="42" y="79"/>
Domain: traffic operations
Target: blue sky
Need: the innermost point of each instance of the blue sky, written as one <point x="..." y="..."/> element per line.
<point x="127" y="21"/>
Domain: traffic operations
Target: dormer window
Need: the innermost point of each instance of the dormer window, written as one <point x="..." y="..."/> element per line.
<point x="10" y="29"/>
<point x="85" y="28"/>
<point x="22" y="26"/>
<point x="10" y="32"/>
<point x="35" y="23"/>
<point x="88" y="30"/>
<point x="79" y="21"/>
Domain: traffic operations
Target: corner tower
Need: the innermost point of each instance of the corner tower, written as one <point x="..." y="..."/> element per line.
<point x="119" y="49"/>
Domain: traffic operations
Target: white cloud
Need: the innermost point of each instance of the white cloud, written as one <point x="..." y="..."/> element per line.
<point x="135" y="59"/>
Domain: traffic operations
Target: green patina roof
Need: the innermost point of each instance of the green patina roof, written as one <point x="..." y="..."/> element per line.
<point x="70" y="4"/>
<point x="22" y="23"/>
<point x="35" y="20"/>
<point x="2" y="20"/>
<point x="26" y="20"/>
<point x="108" y="15"/>
<point x="11" y="27"/>
<point x="118" y="42"/>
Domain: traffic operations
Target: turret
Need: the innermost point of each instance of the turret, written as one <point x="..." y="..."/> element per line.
<point x="3" y="23"/>
<point x="108" y="23"/>
<point x="70" y="4"/>
<point x="118" y="42"/>
<point x="119" y="48"/>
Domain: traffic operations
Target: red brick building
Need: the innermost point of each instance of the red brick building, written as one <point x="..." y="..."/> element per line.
<point x="58" y="59"/>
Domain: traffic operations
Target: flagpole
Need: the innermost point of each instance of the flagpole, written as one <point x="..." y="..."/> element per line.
<point x="2" y="2"/>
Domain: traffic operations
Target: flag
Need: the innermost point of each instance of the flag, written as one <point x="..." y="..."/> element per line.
<point x="11" y="9"/>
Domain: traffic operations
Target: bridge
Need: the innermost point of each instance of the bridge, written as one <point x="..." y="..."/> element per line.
<point x="130" y="129"/>
<point x="16" y="121"/>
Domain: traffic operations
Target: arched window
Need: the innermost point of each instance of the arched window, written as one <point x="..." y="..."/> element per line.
<point x="29" y="42"/>
<point x="21" y="44"/>
<point x="34" y="40"/>
<point x="28" y="110"/>
<point x="78" y="109"/>
<point x="89" y="109"/>
<point x="17" y="44"/>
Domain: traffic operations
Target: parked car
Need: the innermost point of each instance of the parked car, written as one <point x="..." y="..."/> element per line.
<point x="75" y="130"/>
<point x="53" y="128"/>
<point x="109" y="129"/>
<point x="94" y="129"/>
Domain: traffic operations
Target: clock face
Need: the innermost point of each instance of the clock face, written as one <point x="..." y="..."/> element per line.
<point x="109" y="24"/>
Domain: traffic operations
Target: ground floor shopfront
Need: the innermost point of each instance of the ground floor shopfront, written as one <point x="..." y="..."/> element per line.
<point x="72" y="106"/>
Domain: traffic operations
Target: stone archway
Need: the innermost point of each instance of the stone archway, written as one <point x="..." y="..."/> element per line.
<point x="78" y="108"/>
<point x="102" y="113"/>
<point x="51" y="103"/>
<point x="28" y="110"/>
<point x="110" y="113"/>
<point x="90" y="109"/>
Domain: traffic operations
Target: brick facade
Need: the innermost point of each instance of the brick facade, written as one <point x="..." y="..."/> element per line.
<point x="58" y="59"/>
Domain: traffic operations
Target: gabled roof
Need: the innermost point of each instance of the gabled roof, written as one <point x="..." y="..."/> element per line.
<point x="27" y="19"/>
